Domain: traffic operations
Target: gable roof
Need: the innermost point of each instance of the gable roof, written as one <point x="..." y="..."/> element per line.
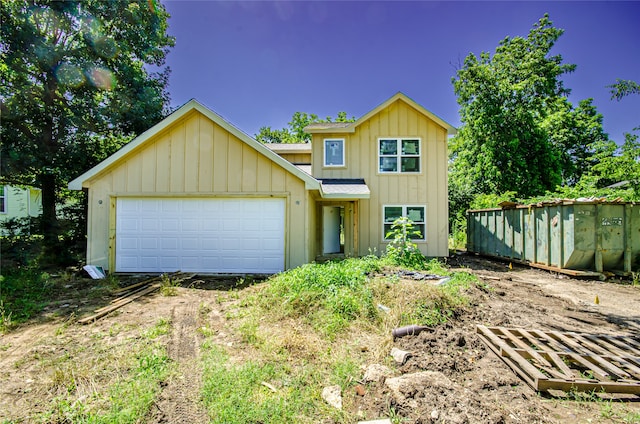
<point x="191" y="105"/>
<point x="350" y="127"/>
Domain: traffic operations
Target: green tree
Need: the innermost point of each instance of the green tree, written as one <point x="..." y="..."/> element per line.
<point x="294" y="132"/>
<point x="578" y="136"/>
<point x="503" y="98"/>
<point x="520" y="135"/>
<point x="76" y="84"/>
<point x="623" y="88"/>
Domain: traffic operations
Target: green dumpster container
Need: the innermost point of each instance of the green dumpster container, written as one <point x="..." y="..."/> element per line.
<point x="570" y="234"/>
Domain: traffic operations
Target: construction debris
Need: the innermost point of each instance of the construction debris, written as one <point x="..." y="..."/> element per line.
<point x="134" y="292"/>
<point x="400" y="356"/>
<point x="333" y="396"/>
<point x="553" y="360"/>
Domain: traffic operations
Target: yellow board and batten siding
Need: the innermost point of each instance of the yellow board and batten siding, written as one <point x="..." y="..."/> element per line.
<point x="195" y="157"/>
<point x="429" y="187"/>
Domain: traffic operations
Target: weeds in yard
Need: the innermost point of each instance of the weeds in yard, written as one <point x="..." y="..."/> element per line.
<point x="329" y="296"/>
<point x="23" y="294"/>
<point x="168" y="286"/>
<point x="5" y="318"/>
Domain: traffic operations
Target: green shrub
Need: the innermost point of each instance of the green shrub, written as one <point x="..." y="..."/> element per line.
<point x="401" y="251"/>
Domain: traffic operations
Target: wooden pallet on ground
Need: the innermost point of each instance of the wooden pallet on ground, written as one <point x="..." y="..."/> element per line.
<point x="553" y="360"/>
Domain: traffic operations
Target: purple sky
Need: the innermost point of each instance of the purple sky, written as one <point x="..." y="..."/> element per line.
<point x="256" y="63"/>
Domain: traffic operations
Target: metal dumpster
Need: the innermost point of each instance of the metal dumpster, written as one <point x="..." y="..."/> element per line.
<point x="586" y="235"/>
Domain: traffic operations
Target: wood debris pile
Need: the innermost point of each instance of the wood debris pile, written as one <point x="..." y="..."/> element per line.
<point x="130" y="293"/>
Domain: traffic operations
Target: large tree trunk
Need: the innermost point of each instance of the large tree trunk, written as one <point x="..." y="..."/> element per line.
<point x="49" y="225"/>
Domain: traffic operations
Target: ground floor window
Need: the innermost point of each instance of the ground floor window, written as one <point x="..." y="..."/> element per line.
<point x="416" y="213"/>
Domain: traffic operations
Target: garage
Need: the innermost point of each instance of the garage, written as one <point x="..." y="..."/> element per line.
<point x="204" y="235"/>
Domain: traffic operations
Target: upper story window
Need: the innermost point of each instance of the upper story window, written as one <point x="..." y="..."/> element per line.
<point x="334" y="152"/>
<point x="399" y="155"/>
<point x="3" y="200"/>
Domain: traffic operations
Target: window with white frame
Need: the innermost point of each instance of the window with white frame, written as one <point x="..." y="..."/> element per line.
<point x="399" y="155"/>
<point x="3" y="199"/>
<point x="334" y="152"/>
<point x="416" y="213"/>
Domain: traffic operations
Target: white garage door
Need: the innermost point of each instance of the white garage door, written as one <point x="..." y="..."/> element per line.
<point x="200" y="235"/>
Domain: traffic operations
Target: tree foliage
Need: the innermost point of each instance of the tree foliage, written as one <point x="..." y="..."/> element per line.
<point x="520" y="134"/>
<point x="75" y="88"/>
<point x="294" y="132"/>
<point x="623" y="88"/>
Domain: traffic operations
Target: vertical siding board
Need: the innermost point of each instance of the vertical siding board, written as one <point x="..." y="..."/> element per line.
<point x="249" y="167"/>
<point x="205" y="177"/>
<point x="277" y="178"/>
<point x="234" y="165"/>
<point x="177" y="159"/>
<point x="134" y="176"/>
<point x="221" y="155"/>
<point x="163" y="157"/>
<point x="119" y="179"/>
<point x="148" y="164"/>
<point x="263" y="167"/>
<point x="191" y="156"/>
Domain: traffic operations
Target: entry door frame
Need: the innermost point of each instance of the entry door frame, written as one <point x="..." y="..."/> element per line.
<point x="349" y="224"/>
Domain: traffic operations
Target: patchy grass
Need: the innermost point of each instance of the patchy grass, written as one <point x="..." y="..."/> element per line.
<point x="116" y="385"/>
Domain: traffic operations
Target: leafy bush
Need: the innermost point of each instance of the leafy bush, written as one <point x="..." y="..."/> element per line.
<point x="401" y="251"/>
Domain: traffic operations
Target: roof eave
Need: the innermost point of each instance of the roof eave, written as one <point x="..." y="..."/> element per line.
<point x="345" y="196"/>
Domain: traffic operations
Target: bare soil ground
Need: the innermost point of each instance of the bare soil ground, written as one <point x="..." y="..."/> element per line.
<point x="450" y="377"/>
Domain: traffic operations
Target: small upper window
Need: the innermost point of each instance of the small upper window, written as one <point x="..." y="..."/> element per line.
<point x="399" y="155"/>
<point x="334" y="152"/>
<point x="3" y="200"/>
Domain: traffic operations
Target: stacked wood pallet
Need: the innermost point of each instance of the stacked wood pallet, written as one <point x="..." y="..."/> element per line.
<point x="554" y="360"/>
<point x="130" y="293"/>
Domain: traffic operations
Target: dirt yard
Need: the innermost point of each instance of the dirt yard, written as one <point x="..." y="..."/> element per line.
<point x="450" y="377"/>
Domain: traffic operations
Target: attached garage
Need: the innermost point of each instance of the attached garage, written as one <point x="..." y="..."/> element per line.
<point x="200" y="235"/>
<point x="196" y="194"/>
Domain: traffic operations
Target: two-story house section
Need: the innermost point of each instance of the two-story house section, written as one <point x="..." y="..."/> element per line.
<point x="195" y="193"/>
<point x="389" y="163"/>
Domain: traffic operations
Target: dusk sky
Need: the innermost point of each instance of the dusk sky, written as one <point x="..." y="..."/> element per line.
<point x="256" y="63"/>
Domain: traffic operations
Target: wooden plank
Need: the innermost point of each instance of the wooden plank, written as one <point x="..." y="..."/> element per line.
<point x="519" y="342"/>
<point x="553" y="357"/>
<point x="120" y="304"/>
<point x="553" y="372"/>
<point x="615" y="346"/>
<point x="584" y="339"/>
<point x="626" y="345"/>
<point x="572" y="272"/>
<point x="149" y="280"/>
<point x="567" y="386"/>
<point x="553" y="344"/>
<point x="136" y="285"/>
<point x="118" y="299"/>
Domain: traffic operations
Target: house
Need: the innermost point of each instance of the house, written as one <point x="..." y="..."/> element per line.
<point x="19" y="202"/>
<point x="194" y="193"/>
